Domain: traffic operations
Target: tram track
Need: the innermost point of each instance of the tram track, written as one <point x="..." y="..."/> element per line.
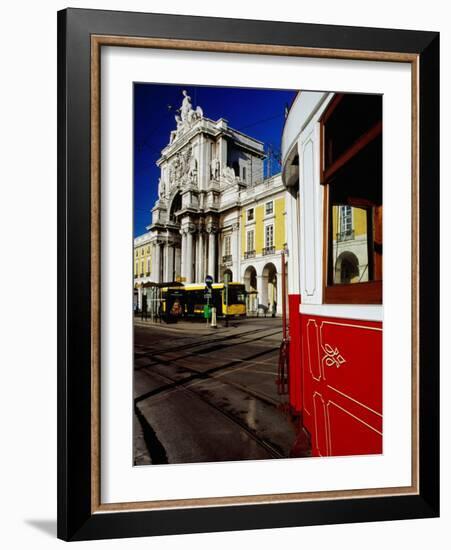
<point x="157" y="355"/>
<point x="176" y="385"/>
<point x="196" y="344"/>
<point x="211" y="386"/>
<point x="198" y="375"/>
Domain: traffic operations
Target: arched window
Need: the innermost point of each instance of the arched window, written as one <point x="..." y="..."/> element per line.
<point x="347" y="268"/>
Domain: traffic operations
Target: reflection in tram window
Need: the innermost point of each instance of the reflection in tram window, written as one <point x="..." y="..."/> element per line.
<point x="352" y="176"/>
<point x="350" y="244"/>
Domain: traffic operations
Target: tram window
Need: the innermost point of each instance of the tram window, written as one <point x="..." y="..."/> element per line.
<point x="352" y="174"/>
<point x="236" y="295"/>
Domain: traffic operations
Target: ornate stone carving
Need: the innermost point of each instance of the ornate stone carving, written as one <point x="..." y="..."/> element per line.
<point x="183" y="169"/>
<point x="229" y="174"/>
<point x="188" y="228"/>
<point x="192" y="169"/>
<point x="161" y="189"/>
<point x="187" y="117"/>
<point x="211" y="228"/>
<point x="215" y="168"/>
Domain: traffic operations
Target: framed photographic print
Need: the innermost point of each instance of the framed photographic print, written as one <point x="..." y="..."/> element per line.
<point x="248" y="274"/>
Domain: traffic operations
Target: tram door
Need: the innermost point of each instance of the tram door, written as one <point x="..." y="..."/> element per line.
<point x="342" y="385"/>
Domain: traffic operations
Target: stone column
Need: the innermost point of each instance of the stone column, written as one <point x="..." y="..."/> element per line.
<point x="177" y="262"/>
<point x="157" y="262"/>
<point x="222" y="152"/>
<point x="260" y="298"/>
<point x="200" y="257"/>
<point x="153" y="270"/>
<point x="183" y="255"/>
<point x="164" y="261"/>
<point x="236" y="252"/>
<point x="140" y="297"/>
<point x="189" y="257"/>
<point x="212" y="254"/>
<point x="169" y="254"/>
<point x="204" y="163"/>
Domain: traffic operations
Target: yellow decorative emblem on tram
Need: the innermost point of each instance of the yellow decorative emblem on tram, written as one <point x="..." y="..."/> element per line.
<point x="332" y="357"/>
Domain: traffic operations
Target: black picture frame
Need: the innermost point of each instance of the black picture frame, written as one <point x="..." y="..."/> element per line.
<point x="76" y="520"/>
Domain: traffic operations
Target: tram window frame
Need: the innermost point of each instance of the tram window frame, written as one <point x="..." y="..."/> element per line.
<point x="368" y="292"/>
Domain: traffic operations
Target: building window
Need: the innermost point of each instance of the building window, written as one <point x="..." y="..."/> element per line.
<point x="269" y="208"/>
<point x="244" y="173"/>
<point x="136" y="268"/>
<point x="148" y="266"/>
<point x="250" y="214"/>
<point x="136" y="253"/>
<point x="142" y="251"/>
<point x="352" y="175"/>
<point x="250" y="241"/>
<point x="269" y="236"/>
<point x="227" y="246"/>
<point x="148" y="250"/>
<point x="345" y="223"/>
<point x="250" y="250"/>
<point x="142" y="267"/>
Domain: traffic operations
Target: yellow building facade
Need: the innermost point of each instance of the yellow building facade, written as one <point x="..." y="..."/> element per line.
<point x="259" y="217"/>
<point x="143" y="262"/>
<point x="142" y="266"/>
<point x="263" y="239"/>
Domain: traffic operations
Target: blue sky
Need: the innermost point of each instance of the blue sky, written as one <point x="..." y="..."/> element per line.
<point x="257" y="112"/>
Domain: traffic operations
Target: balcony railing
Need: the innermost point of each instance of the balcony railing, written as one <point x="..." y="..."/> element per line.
<point x="249" y="254"/>
<point x="227" y="259"/>
<point x="268" y="250"/>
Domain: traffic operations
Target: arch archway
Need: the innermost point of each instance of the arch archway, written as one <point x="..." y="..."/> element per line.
<point x="250" y="284"/>
<point x="227" y="276"/>
<point x="176" y="205"/>
<point x="269" y="286"/>
<point x="346" y="268"/>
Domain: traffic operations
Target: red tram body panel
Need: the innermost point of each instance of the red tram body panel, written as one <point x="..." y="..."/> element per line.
<point x="295" y="373"/>
<point x="332" y="169"/>
<point x="342" y="385"/>
<point x="336" y="382"/>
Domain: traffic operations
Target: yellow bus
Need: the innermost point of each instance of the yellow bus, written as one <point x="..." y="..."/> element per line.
<point x="190" y="299"/>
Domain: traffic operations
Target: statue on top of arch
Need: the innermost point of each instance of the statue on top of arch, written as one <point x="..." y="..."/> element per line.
<point x="187" y="117"/>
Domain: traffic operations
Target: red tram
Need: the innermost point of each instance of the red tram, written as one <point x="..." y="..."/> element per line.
<point x="332" y="169"/>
